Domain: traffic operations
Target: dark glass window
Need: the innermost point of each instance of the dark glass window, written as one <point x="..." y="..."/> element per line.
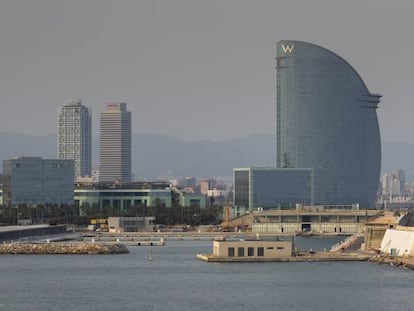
<point x="230" y="252"/>
<point x="241" y="188"/>
<point x="240" y="252"/>
<point x="250" y="251"/>
<point x="260" y="251"/>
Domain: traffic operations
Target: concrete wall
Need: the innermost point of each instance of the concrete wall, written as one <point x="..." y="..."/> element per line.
<point x="373" y="236"/>
<point x="350" y="228"/>
<point x="401" y="242"/>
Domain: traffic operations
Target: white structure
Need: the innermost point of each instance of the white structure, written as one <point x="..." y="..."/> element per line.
<point x="115" y="141"/>
<point x="74" y="136"/>
<point x="398" y="242"/>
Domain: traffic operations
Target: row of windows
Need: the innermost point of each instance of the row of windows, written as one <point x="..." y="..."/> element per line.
<point x="250" y="251"/>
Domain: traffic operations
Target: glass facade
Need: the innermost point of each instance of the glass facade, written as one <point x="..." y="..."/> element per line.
<point x="33" y="180"/>
<point x="327" y="121"/>
<point x="121" y="198"/>
<point x="268" y="187"/>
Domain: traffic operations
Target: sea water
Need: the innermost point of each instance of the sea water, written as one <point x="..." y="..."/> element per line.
<point x="175" y="281"/>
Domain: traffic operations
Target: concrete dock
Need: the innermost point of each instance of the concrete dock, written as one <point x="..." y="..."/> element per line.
<point x="302" y="257"/>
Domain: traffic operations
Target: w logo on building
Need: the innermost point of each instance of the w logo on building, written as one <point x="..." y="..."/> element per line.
<point x="288" y="48"/>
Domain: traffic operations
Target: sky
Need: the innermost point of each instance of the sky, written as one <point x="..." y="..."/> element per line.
<point x="191" y="69"/>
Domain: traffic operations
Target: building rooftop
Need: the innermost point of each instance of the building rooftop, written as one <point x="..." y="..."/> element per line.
<point x="384" y="219"/>
<point x="18" y="228"/>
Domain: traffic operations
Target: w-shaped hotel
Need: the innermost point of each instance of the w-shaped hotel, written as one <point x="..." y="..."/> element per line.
<point x="327" y="136"/>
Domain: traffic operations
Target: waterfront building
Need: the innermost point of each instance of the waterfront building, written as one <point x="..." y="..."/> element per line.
<point x="346" y="219"/>
<point x="136" y="194"/>
<point x="326" y="129"/>
<point x="115" y="144"/>
<point x="34" y="181"/>
<point x="253" y="249"/>
<point x="75" y="136"/>
<point x="327" y="121"/>
<point x="15" y="233"/>
<point x="269" y="187"/>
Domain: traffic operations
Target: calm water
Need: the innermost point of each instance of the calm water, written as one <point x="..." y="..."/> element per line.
<point x="176" y="280"/>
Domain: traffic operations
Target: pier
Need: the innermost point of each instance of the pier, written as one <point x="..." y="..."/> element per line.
<point x="303" y="257"/>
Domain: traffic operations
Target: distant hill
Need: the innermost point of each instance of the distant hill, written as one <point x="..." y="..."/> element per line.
<point x="159" y="156"/>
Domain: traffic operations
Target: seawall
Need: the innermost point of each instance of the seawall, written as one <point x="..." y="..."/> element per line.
<point x="62" y="248"/>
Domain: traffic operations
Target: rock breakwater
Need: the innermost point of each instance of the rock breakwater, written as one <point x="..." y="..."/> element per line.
<point x="62" y="248"/>
<point x="403" y="262"/>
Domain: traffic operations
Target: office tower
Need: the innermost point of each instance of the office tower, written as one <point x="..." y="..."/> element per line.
<point x="327" y="121"/>
<point x="115" y="143"/>
<point x="75" y="137"/>
<point x="33" y="181"/>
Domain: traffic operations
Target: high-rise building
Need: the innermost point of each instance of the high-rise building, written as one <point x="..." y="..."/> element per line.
<point x="327" y="121"/>
<point x="115" y="141"/>
<point x="393" y="185"/>
<point x="327" y="135"/>
<point x="75" y="137"/>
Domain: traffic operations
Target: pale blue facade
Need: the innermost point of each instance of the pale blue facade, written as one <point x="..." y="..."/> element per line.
<point x="327" y="121"/>
<point x="33" y="181"/>
<point x="269" y="187"/>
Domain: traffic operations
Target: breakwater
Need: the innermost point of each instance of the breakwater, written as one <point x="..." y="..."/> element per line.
<point x="403" y="262"/>
<point x="62" y="248"/>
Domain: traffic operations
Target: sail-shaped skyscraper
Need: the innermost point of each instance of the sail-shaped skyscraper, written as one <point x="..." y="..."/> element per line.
<point x="327" y="135"/>
<point x="327" y="121"/>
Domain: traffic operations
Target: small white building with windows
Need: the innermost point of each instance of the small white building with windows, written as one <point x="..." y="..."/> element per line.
<point x="243" y="249"/>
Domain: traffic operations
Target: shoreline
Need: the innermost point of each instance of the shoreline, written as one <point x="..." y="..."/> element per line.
<point x="402" y="262"/>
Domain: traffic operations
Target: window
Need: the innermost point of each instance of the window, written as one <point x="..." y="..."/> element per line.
<point x="269" y="247"/>
<point x="250" y="251"/>
<point x="230" y="252"/>
<point x="240" y="251"/>
<point x="260" y="251"/>
<point x="280" y="247"/>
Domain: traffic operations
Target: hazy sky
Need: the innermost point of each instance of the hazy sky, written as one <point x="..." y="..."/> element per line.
<point x="192" y="69"/>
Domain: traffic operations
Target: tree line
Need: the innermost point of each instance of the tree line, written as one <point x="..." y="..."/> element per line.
<point x="72" y="214"/>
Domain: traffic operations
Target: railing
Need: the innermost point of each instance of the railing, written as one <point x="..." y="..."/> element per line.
<point x="346" y="243"/>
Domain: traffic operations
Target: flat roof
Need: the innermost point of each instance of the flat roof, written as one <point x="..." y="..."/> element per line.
<point x="18" y="228"/>
<point x="311" y="211"/>
<point x="384" y="220"/>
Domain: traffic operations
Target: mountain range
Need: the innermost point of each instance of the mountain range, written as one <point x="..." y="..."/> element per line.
<point x="161" y="156"/>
